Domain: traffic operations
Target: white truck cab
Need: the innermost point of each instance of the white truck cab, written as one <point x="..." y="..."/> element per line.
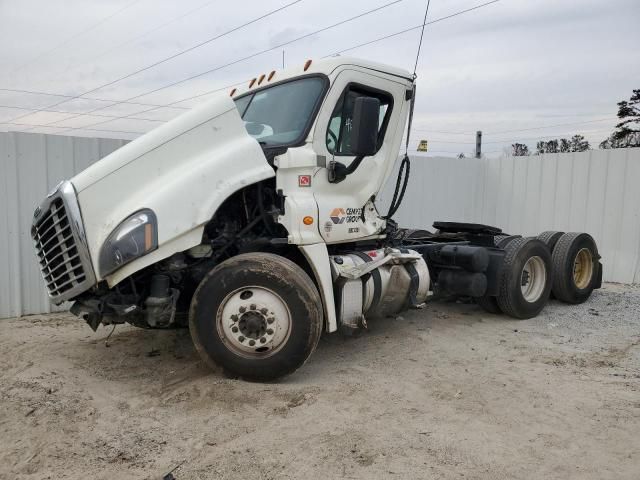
<point x="252" y="218"/>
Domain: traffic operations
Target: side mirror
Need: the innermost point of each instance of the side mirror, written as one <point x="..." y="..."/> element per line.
<point x="364" y="130"/>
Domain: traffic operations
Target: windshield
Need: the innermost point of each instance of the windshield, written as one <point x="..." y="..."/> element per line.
<point x="280" y="115"/>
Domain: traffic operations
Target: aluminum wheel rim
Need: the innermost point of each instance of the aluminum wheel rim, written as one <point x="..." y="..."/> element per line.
<point x="583" y="268"/>
<point x="533" y="279"/>
<point x="253" y="322"/>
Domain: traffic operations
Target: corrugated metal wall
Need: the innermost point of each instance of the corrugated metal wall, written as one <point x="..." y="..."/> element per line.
<point x="31" y="164"/>
<point x="597" y="191"/>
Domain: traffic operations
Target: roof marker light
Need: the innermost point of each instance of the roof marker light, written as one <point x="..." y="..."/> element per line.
<point x="261" y="79"/>
<point x="273" y="72"/>
<point x="307" y="64"/>
<point x="252" y="82"/>
<point x="232" y="92"/>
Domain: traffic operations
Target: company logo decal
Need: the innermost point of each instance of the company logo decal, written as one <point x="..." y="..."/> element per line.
<point x="348" y="215"/>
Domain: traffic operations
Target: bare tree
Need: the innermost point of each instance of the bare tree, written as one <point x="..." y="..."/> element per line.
<point x="519" y="150"/>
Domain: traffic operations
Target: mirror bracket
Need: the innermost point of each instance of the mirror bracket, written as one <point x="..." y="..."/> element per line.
<point x="338" y="171"/>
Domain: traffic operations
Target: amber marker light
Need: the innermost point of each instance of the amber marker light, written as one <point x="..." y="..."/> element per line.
<point x="307" y="64"/>
<point x="148" y="237"/>
<point x="233" y="92"/>
<point x="307" y="220"/>
<point x="252" y="82"/>
<point x="261" y="78"/>
<point x="273" y="72"/>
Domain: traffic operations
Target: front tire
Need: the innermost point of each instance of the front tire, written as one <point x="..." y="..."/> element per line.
<point x="257" y="315"/>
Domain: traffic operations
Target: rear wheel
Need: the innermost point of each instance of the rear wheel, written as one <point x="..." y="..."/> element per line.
<point x="257" y="315"/>
<point x="489" y="304"/>
<point x="550" y="238"/>
<point x="525" y="278"/>
<point x="501" y="241"/>
<point x="575" y="267"/>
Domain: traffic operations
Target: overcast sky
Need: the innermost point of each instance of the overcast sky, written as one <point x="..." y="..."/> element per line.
<point x="512" y="65"/>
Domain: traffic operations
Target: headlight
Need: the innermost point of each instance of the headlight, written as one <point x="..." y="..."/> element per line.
<point x="133" y="238"/>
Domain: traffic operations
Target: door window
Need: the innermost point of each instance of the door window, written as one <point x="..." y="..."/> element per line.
<point x="339" y="129"/>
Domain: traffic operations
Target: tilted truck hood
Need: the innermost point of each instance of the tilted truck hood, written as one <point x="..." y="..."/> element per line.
<point x="182" y="170"/>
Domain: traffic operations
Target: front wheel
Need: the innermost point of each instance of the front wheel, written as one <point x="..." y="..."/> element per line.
<point x="257" y="315"/>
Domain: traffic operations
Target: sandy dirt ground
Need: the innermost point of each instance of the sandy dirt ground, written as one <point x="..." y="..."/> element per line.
<point x="445" y="392"/>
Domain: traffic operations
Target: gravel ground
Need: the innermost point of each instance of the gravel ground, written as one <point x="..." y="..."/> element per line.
<point x="445" y="392"/>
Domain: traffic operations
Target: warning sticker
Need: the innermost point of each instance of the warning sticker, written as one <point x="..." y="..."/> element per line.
<point x="304" y="180"/>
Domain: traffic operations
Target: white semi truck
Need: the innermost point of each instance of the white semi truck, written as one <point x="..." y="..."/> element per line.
<point x="253" y="220"/>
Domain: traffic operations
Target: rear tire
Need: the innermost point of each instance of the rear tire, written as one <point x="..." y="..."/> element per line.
<point x="501" y="241"/>
<point x="489" y="304"/>
<point x="550" y="238"/>
<point x="257" y="315"/>
<point x="524" y="282"/>
<point x="576" y="268"/>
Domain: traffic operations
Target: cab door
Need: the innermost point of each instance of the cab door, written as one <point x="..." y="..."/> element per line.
<point x="346" y="210"/>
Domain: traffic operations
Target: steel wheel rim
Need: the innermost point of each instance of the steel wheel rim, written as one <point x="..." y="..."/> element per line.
<point x="533" y="279"/>
<point x="253" y="322"/>
<point x="583" y="268"/>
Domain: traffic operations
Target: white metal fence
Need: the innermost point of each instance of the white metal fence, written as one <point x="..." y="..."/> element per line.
<point x="596" y="191"/>
<point x="31" y="164"/>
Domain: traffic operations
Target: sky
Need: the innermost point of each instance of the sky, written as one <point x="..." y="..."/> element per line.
<point x="518" y="70"/>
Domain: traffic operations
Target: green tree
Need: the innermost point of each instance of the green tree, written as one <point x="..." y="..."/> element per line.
<point x="627" y="132"/>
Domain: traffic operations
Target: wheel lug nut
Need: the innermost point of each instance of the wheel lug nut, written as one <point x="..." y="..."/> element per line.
<point x="252" y="342"/>
<point x="270" y="332"/>
<point x="234" y="329"/>
<point x="253" y="306"/>
<point x="234" y="318"/>
<point x="242" y="309"/>
<point x="263" y="311"/>
<point x="263" y="340"/>
<point x="270" y="320"/>
<point x="241" y="338"/>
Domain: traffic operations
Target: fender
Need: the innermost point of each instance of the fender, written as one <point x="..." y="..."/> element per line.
<point x="183" y="171"/>
<point x="318" y="257"/>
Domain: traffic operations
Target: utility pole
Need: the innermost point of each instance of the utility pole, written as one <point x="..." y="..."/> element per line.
<point x="478" y="144"/>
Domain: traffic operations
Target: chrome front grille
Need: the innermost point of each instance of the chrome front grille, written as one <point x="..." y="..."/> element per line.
<point x="60" y="245"/>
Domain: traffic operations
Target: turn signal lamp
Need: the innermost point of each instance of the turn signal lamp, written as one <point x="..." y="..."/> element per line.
<point x="307" y="220"/>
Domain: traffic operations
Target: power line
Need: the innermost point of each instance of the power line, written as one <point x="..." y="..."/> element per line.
<point x="73" y="37"/>
<point x="166" y="59"/>
<point x="413" y="28"/>
<point x="557" y="135"/>
<point x="173" y="104"/>
<point x="129" y="117"/>
<point x="276" y="47"/>
<point x="550" y="126"/>
<point x="155" y="29"/>
<point x="74" y="128"/>
<point x="424" y="130"/>
<point x="112" y="117"/>
<point x="36" y="92"/>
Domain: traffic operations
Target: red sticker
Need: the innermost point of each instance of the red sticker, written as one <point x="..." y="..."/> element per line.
<point x="304" y="180"/>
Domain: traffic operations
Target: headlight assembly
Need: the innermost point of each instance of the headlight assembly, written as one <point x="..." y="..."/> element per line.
<point x="134" y="237"/>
